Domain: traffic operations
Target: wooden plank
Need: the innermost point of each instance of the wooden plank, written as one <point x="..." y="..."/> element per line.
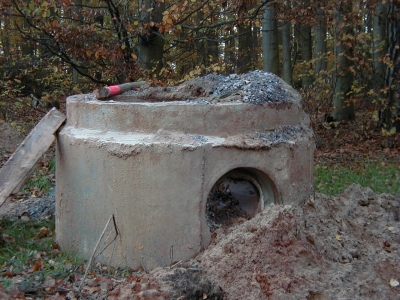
<point x="18" y="168"/>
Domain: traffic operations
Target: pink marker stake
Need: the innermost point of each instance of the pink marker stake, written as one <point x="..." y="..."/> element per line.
<point x="113" y="90"/>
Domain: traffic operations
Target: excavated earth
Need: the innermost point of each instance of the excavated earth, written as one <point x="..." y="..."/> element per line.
<point x="331" y="247"/>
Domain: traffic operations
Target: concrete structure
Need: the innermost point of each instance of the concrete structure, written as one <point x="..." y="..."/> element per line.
<point x="152" y="162"/>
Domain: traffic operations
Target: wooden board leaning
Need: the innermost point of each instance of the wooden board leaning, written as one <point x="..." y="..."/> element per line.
<point x="18" y="168"/>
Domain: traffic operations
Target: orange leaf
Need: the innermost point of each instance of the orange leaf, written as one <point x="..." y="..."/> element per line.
<point x="44" y="231"/>
<point x="38" y="265"/>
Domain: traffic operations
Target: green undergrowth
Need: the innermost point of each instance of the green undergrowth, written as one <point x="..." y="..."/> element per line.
<point x="30" y="258"/>
<point x="42" y="179"/>
<point x="28" y="250"/>
<point x="334" y="179"/>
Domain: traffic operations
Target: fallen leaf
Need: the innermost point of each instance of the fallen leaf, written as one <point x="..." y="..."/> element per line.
<point x="387" y="244"/>
<point x="43" y="232"/>
<point x="38" y="265"/>
<point x="9" y="274"/>
<point x="55" y="246"/>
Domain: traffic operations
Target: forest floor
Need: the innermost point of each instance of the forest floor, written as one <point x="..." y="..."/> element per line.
<point x="344" y="246"/>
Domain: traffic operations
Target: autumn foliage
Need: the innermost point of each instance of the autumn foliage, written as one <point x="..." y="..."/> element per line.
<point x="343" y="55"/>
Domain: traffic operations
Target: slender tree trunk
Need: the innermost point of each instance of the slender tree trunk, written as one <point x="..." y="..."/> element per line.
<point x="230" y="53"/>
<point x="287" y="52"/>
<point x="379" y="45"/>
<point x="256" y="46"/>
<point x="5" y="38"/>
<point x="200" y="43"/>
<point x="77" y="14"/>
<point x="212" y="46"/>
<point x="270" y="40"/>
<point x="320" y="42"/>
<point x="343" y="109"/>
<point x="306" y="51"/>
<point x="245" y="49"/>
<point x="390" y="115"/>
<point x="27" y="48"/>
<point x="44" y="51"/>
<point x="151" y="43"/>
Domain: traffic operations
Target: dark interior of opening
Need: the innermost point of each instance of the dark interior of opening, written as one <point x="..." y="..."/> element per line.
<point x="232" y="200"/>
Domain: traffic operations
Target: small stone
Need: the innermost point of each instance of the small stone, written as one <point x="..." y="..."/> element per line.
<point x="393" y="282"/>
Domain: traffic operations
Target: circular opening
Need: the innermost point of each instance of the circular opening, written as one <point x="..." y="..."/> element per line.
<point x="237" y="196"/>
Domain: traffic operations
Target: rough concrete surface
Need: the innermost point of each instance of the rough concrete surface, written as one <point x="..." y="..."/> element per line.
<point x="151" y="158"/>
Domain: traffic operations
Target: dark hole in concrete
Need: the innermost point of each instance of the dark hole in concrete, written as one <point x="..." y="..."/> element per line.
<point x="233" y="199"/>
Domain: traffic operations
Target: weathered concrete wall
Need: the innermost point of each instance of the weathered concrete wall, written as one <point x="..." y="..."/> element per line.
<point x="153" y="164"/>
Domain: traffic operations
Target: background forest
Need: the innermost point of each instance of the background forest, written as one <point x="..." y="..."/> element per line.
<point x="343" y="56"/>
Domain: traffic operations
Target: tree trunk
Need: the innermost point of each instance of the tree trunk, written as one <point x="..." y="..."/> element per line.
<point x="151" y="43"/>
<point x="44" y="51"/>
<point x="306" y="51"/>
<point x="270" y="44"/>
<point x="343" y="109"/>
<point x="379" y="45"/>
<point x="230" y="53"/>
<point x="212" y="41"/>
<point x="256" y="46"/>
<point x="77" y="14"/>
<point x="245" y="49"/>
<point x="390" y="115"/>
<point x="27" y="48"/>
<point x="320" y="42"/>
<point x="200" y="43"/>
<point x="5" y="39"/>
<point x="287" y="53"/>
<point x="212" y="46"/>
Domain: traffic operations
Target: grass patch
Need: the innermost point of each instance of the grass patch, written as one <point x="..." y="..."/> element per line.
<point x="28" y="250"/>
<point x="42" y="179"/>
<point x="334" y="179"/>
<point x="30" y="260"/>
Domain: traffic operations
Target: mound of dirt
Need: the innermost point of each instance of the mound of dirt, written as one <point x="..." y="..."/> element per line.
<point x="339" y="247"/>
<point x="333" y="247"/>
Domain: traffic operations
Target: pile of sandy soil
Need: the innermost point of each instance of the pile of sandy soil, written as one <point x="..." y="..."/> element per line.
<point x="333" y="247"/>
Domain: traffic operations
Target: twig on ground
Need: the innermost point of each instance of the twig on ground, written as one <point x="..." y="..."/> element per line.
<point x="94" y="251"/>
